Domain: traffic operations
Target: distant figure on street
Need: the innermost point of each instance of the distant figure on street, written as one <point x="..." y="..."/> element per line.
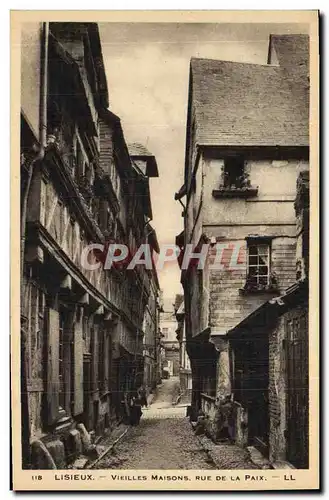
<point x="135" y="409"/>
<point x="142" y="396"/>
<point x="125" y="408"/>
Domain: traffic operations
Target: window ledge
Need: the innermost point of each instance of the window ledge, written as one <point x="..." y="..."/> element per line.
<point x="226" y="192"/>
<point x="253" y="291"/>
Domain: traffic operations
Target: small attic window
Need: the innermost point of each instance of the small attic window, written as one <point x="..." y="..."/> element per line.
<point x="234" y="173"/>
<point x="234" y="180"/>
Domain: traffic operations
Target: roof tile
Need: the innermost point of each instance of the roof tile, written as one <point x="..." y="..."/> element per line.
<point x="136" y="149"/>
<point x="242" y="104"/>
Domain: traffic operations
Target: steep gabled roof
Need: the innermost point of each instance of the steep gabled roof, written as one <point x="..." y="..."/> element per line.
<point x="181" y="310"/>
<point x="152" y="236"/>
<point x="120" y="146"/>
<point x="179" y="299"/>
<point x="139" y="152"/>
<point x="136" y="149"/>
<point x="242" y="104"/>
<point x="291" y="50"/>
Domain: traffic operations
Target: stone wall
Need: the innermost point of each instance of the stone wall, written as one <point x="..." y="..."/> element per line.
<point x="172" y="355"/>
<point x="185" y="380"/>
<point x="277" y="392"/>
<point x="274" y="203"/>
<point x="240" y="422"/>
<point x="228" y="303"/>
<point x="63" y="448"/>
<point x="208" y="406"/>
<point x="231" y="220"/>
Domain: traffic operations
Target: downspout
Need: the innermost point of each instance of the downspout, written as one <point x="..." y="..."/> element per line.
<point x="42" y="133"/>
<point x="26" y="433"/>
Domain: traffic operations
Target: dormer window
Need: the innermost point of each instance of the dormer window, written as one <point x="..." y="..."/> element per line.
<point x="234" y="180"/>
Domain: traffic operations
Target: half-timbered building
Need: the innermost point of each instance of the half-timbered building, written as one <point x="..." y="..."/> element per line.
<point x="82" y="325"/>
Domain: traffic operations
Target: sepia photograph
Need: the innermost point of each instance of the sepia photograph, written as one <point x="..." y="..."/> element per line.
<point x="164" y="210"/>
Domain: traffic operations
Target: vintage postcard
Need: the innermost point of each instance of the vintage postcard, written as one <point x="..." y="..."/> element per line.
<point x="164" y="242"/>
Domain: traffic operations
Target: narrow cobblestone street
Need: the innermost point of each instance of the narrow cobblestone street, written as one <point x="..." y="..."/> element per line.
<point x="164" y="251"/>
<point x="165" y="440"/>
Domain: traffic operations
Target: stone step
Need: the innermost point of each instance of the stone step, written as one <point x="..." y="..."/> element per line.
<point x="282" y="464"/>
<point x="258" y="459"/>
<point x="79" y="463"/>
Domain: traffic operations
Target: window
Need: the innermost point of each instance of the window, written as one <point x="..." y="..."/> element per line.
<point x="80" y="170"/>
<point x="165" y="332"/>
<point x="74" y="156"/>
<point x="85" y="332"/>
<point x="234" y="173"/>
<point x="61" y="359"/>
<point x="98" y="139"/>
<point x="71" y="237"/>
<point x="258" y="264"/>
<point x="89" y="173"/>
<point x="235" y="180"/>
<point x="101" y="359"/>
<point x="40" y="331"/>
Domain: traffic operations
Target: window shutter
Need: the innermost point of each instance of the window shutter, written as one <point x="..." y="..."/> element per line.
<point x="78" y="367"/>
<point x="52" y="366"/>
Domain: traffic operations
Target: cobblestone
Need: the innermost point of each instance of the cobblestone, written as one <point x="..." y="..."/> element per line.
<point x="165" y="440"/>
<point x="163" y="413"/>
<point x="227" y="456"/>
<point x="165" y="443"/>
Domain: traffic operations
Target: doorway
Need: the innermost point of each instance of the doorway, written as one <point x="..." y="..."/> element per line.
<point x="258" y="381"/>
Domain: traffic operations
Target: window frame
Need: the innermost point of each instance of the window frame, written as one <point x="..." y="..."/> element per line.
<point x="237" y="162"/>
<point x="271" y="282"/>
<point x="101" y="358"/>
<point x="257" y="255"/>
<point x="165" y="331"/>
<point x="61" y="359"/>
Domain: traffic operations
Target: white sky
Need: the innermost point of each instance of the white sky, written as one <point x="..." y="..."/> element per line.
<point x="147" y="68"/>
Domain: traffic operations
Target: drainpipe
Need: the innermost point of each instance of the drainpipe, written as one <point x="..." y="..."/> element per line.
<point x="26" y="458"/>
<point x="42" y="132"/>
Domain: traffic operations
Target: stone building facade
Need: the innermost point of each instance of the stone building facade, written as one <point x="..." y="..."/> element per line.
<point x="82" y="326"/>
<point x="185" y="373"/>
<point x="285" y="363"/>
<point x="170" y="344"/>
<point x="151" y="328"/>
<point x="247" y="143"/>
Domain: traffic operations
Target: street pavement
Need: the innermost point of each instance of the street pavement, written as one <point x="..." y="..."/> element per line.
<point x="165" y="439"/>
<point x="162" y="405"/>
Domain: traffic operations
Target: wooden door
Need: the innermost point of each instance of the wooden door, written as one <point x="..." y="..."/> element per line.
<point x="258" y="380"/>
<point x="296" y="327"/>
